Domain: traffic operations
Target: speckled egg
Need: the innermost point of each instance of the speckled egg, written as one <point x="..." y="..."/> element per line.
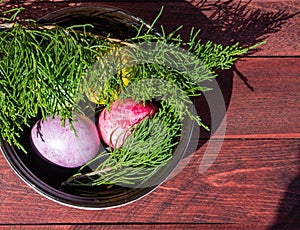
<point x="116" y="123"/>
<point x="60" y="145"/>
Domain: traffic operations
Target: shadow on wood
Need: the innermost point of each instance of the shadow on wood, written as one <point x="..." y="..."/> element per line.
<point x="288" y="213"/>
<point x="222" y="22"/>
<point x="228" y="23"/>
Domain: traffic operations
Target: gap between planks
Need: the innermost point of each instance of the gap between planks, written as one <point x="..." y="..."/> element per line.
<point x="258" y="136"/>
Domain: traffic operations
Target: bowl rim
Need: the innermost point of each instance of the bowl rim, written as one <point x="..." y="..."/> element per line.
<point x="19" y="168"/>
<point x="11" y="155"/>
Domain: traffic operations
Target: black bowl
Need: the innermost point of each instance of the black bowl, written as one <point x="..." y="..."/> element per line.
<point x="45" y="177"/>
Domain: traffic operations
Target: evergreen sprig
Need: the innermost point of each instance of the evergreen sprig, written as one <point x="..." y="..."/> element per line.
<point x="49" y="71"/>
<point x="142" y="154"/>
<point x="40" y="72"/>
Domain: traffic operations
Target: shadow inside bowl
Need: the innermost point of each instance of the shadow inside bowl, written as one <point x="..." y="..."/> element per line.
<point x="47" y="178"/>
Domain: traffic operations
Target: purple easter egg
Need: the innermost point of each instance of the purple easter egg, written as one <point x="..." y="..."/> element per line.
<point x="61" y="145"/>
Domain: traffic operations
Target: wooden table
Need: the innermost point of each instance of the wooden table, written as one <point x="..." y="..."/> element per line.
<point x="255" y="180"/>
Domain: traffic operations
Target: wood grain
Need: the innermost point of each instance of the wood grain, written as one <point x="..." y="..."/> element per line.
<point x="254" y="183"/>
<point x="273" y="107"/>
<point x="272" y="21"/>
<point x="269" y="110"/>
<point x="246" y="183"/>
<point x="147" y="226"/>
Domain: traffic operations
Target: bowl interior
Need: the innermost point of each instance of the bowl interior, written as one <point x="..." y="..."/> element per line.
<point x="45" y="177"/>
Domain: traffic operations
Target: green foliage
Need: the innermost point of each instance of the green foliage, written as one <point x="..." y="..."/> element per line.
<point x="142" y="154"/>
<point x="40" y="71"/>
<point x="49" y="71"/>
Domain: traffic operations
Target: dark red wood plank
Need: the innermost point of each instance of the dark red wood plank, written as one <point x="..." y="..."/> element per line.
<point x="270" y="109"/>
<point x="260" y="20"/>
<point x="148" y="226"/>
<point x="273" y="106"/>
<point x="251" y="181"/>
<point x="255" y="178"/>
<point x="275" y="20"/>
